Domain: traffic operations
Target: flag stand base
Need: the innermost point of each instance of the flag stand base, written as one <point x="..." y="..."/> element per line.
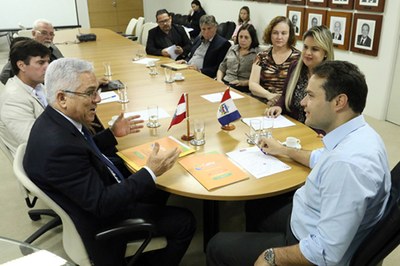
<point x="187" y="138"/>
<point x="228" y="127"/>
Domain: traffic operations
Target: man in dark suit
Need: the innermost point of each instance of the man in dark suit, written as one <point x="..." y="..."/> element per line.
<point x="64" y="161"/>
<point x="363" y="38"/>
<point x="166" y="35"/>
<point x="336" y="35"/>
<point x="209" y="48"/>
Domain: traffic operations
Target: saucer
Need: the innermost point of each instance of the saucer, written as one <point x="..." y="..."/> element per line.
<point x="179" y="79"/>
<point x="298" y="147"/>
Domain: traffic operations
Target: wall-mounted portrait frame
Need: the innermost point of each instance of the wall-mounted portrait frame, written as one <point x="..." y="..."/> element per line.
<point x="314" y="17"/>
<point x="366" y="34"/>
<point x="317" y="3"/>
<point x="264" y="1"/>
<point x="370" y="5"/>
<point x="296" y="15"/>
<point x="296" y="2"/>
<point x="341" y="4"/>
<point x="278" y="1"/>
<point x="339" y="24"/>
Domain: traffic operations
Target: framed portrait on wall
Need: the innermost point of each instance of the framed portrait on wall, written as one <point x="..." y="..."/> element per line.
<point x="366" y="34"/>
<point x="339" y="23"/>
<point x="341" y="4"/>
<point x="314" y="17"/>
<point x="370" y="5"/>
<point x="296" y="15"/>
<point x="278" y="1"/>
<point x="296" y="2"/>
<point x="317" y="3"/>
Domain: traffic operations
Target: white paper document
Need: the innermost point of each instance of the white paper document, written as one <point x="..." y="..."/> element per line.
<point x="258" y="164"/>
<point x="216" y="97"/>
<point x="108" y="97"/>
<point x="145" y="61"/>
<point x="278" y="122"/>
<point x="171" y="52"/>
<point x="39" y="258"/>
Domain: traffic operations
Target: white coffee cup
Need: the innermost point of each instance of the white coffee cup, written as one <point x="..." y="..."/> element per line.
<point x="178" y="76"/>
<point x="292" y="142"/>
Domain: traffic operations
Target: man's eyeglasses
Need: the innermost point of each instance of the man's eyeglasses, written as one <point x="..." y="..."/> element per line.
<point x="165" y="21"/>
<point x="45" y="33"/>
<point x="92" y="94"/>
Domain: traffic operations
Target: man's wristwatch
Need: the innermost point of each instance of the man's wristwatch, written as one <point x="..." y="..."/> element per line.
<point x="269" y="256"/>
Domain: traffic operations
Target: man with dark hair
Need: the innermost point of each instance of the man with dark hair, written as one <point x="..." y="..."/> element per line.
<point x="344" y="195"/>
<point x="209" y="48"/>
<point x="166" y="35"/>
<point x="42" y="32"/>
<point x="23" y="98"/>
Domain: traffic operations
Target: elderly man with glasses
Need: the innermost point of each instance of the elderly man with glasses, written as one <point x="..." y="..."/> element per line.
<point x="42" y="32"/>
<point x="167" y="34"/>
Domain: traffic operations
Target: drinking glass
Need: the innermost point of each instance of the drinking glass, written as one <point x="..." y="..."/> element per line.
<point x="255" y="131"/>
<point x="199" y="133"/>
<point x="169" y="75"/>
<point x="123" y="94"/>
<point x="152" y="111"/>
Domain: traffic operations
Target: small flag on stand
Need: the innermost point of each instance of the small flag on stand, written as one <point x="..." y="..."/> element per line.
<point x="180" y="112"/>
<point x="227" y="112"/>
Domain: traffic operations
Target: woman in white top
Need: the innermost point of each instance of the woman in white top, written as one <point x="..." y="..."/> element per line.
<point x="244" y="18"/>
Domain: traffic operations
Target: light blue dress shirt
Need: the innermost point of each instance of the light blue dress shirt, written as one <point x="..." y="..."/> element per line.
<point x="344" y="195"/>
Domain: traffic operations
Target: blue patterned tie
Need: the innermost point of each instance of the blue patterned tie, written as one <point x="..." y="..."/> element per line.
<point x="114" y="170"/>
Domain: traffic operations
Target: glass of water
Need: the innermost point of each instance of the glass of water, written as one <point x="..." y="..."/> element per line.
<point x="152" y="111"/>
<point x="199" y="133"/>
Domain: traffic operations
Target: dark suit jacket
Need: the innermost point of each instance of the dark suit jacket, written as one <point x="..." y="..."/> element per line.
<point x="339" y="37"/>
<point x="59" y="160"/>
<point x="194" y="22"/>
<point x="366" y="43"/>
<point x="215" y="54"/>
<point x="158" y="40"/>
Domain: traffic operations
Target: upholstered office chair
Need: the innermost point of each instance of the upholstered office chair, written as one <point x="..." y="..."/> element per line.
<point x="30" y="201"/>
<point x="72" y="241"/>
<point x="385" y="236"/>
<point x="145" y="32"/>
<point x="139" y="27"/>
<point x="226" y="29"/>
<point x="129" y="30"/>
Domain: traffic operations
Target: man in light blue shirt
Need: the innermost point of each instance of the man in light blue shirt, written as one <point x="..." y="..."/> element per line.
<point x="344" y="195"/>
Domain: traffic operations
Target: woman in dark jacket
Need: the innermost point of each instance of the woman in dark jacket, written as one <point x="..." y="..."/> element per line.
<point x="194" y="18"/>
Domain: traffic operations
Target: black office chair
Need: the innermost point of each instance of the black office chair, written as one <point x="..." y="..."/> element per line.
<point x="385" y="236"/>
<point x="30" y="200"/>
<point x="226" y="29"/>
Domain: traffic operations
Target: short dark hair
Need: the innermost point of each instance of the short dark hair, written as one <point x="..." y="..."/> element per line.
<point x="343" y="77"/>
<point x="24" y="50"/>
<point x="197" y="3"/>
<point x="253" y="34"/>
<point x="160" y="12"/>
<point x="275" y="21"/>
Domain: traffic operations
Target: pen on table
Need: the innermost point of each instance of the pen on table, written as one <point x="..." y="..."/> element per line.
<point x="256" y="144"/>
<point x="109" y="97"/>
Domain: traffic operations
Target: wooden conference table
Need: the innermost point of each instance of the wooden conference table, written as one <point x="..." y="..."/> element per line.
<point x="144" y="90"/>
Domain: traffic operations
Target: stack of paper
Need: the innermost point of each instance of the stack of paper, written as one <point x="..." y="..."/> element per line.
<point x="39" y="258"/>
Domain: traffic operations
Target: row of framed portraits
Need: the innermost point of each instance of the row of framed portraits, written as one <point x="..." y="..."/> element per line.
<point x="366" y="5"/>
<point x="360" y="32"/>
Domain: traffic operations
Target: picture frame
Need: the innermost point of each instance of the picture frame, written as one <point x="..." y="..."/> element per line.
<point x="341" y="4"/>
<point x="366" y="34"/>
<point x="299" y="12"/>
<point x="317" y="3"/>
<point x="278" y="1"/>
<point x="296" y="2"/>
<point x="314" y="17"/>
<point x="370" y="5"/>
<point x="339" y="24"/>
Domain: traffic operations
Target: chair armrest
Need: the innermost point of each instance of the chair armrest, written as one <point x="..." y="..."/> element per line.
<point x="130" y="36"/>
<point x="125" y="227"/>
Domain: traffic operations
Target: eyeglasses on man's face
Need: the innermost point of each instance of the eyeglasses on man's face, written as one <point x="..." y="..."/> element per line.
<point x="92" y="94"/>
<point x="45" y="33"/>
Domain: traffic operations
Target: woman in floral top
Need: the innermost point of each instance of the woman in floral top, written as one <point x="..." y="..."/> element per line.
<point x="317" y="47"/>
<point x="270" y="68"/>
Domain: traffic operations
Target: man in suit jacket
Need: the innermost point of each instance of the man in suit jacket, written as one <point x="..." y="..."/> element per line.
<point x="336" y="35"/>
<point x="23" y="98"/>
<point x="363" y="38"/>
<point x="63" y="161"/>
<point x="166" y="35"/>
<point x="209" y="49"/>
<point x="42" y="32"/>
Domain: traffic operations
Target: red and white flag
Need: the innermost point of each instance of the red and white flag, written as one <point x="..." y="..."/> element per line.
<point x="180" y="112"/>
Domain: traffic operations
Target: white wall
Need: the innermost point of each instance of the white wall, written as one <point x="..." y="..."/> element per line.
<point x="379" y="70"/>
